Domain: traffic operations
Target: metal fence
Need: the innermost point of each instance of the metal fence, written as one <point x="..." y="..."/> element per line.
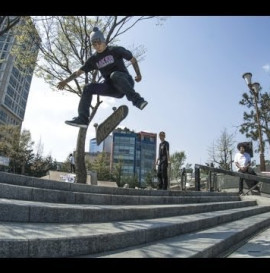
<point x="213" y="178"/>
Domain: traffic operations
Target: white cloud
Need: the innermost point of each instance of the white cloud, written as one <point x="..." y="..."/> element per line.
<point x="266" y="68"/>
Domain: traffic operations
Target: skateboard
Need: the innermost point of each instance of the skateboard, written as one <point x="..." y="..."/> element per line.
<point x="109" y="124"/>
<point x="253" y="187"/>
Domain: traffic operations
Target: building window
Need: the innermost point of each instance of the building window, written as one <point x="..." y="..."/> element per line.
<point x="21" y="113"/>
<point x="26" y="85"/>
<point x="3" y="55"/>
<point x="15" y="72"/>
<point x="6" y="46"/>
<point x="8" y="101"/>
<point x="25" y="94"/>
<point x="3" y="116"/>
<point x="3" y="37"/>
<point x="12" y="82"/>
<point x="23" y="103"/>
<point x="10" y="91"/>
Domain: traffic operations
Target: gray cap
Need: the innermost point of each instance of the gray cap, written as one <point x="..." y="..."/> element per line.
<point x="97" y="35"/>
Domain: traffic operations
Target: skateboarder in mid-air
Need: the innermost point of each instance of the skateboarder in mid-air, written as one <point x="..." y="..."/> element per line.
<point x="118" y="82"/>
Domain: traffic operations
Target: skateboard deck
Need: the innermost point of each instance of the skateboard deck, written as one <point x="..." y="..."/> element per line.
<point x="109" y="124"/>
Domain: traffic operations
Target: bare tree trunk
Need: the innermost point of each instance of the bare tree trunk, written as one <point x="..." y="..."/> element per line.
<point x="80" y="157"/>
<point x="81" y="174"/>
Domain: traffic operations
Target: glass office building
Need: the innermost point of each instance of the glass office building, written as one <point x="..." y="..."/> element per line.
<point x="136" y="152"/>
<point x="145" y="154"/>
<point x="14" y="83"/>
<point x="124" y="151"/>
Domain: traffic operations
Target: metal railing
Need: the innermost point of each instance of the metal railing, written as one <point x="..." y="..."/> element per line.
<point x="213" y="170"/>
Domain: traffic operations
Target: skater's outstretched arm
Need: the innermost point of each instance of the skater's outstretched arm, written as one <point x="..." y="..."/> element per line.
<point x="135" y="65"/>
<point x="61" y="85"/>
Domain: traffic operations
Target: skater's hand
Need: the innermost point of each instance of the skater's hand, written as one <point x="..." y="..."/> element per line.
<point x="138" y="78"/>
<point x="61" y="85"/>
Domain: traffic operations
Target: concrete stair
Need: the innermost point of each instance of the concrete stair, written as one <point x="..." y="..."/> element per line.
<point x="44" y="218"/>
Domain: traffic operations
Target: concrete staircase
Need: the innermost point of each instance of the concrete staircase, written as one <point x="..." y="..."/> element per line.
<point x="44" y="218"/>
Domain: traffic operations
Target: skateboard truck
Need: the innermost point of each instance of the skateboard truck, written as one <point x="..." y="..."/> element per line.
<point x="96" y="126"/>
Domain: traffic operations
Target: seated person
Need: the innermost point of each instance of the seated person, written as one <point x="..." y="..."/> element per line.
<point x="242" y="162"/>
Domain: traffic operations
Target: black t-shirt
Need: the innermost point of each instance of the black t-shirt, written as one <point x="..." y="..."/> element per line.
<point x="163" y="151"/>
<point x="110" y="60"/>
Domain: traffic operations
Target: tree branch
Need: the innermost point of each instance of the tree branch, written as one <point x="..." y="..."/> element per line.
<point x="6" y="23"/>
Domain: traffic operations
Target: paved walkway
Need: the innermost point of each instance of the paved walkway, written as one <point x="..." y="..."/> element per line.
<point x="259" y="245"/>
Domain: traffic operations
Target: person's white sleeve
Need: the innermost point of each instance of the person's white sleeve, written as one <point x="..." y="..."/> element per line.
<point x="235" y="158"/>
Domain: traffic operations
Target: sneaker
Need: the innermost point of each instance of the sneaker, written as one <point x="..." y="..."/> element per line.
<point x="77" y="122"/>
<point x="142" y="104"/>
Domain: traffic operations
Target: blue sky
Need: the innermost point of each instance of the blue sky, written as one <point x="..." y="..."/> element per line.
<point x="191" y="77"/>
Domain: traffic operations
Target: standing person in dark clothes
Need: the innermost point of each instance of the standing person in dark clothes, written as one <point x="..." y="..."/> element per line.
<point x="109" y="60"/>
<point x="72" y="163"/>
<point x="163" y="161"/>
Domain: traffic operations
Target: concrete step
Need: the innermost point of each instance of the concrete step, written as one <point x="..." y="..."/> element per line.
<point x="66" y="240"/>
<point x="40" y="212"/>
<point x="208" y="243"/>
<point x="255" y="247"/>
<point x="31" y="193"/>
<point x="21" y="180"/>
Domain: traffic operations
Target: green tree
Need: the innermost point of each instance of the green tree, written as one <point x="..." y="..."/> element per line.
<point x="17" y="146"/>
<point x="220" y="152"/>
<point x="65" y="46"/>
<point x="117" y="173"/>
<point x="131" y="180"/>
<point x="65" y="166"/>
<point x="177" y="161"/>
<point x="189" y="168"/>
<point x="6" y="134"/>
<point x="40" y="165"/>
<point x="250" y="125"/>
<point x="150" y="177"/>
<point x="102" y="166"/>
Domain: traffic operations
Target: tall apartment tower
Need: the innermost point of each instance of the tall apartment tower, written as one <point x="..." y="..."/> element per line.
<point x="14" y="82"/>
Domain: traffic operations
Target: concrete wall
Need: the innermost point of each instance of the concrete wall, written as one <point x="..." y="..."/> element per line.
<point x="230" y="182"/>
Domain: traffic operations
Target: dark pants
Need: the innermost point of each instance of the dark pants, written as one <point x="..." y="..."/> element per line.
<point x="72" y="168"/>
<point x="162" y="175"/>
<point x="119" y="85"/>
<point x="250" y="183"/>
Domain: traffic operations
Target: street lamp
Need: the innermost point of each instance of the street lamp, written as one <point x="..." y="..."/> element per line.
<point x="255" y="88"/>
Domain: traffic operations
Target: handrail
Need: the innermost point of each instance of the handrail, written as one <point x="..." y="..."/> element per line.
<point x="258" y="178"/>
